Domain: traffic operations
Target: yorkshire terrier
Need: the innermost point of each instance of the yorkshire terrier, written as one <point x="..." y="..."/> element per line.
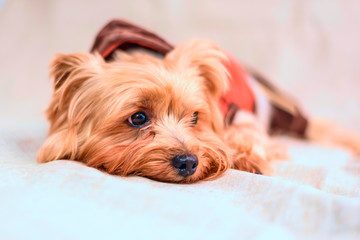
<point x="157" y="117"/>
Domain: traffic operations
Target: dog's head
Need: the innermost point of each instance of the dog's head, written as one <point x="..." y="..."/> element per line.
<point x="139" y="114"/>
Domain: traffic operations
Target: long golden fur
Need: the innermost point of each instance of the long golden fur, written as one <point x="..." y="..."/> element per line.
<point x="93" y="101"/>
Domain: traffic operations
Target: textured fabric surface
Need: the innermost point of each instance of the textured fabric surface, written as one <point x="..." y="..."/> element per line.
<point x="310" y="47"/>
<point x="315" y="195"/>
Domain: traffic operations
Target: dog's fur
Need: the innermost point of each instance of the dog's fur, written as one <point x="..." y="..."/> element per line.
<point x="93" y="100"/>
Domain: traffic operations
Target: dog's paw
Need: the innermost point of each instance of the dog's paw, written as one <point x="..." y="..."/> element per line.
<point x="276" y="150"/>
<point x="251" y="160"/>
<point x="249" y="151"/>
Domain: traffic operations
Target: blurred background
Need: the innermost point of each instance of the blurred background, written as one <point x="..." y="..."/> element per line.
<point x="311" y="48"/>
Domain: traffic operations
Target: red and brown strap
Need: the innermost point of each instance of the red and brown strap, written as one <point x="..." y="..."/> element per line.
<point x="120" y="34"/>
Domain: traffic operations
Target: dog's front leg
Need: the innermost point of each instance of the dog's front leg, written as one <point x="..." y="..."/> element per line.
<point x="249" y="146"/>
<point x="248" y="149"/>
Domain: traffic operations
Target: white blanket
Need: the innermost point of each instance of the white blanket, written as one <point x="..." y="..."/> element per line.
<point x="315" y="195"/>
<point x="311" y="48"/>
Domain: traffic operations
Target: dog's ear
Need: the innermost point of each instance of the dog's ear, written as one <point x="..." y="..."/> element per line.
<point x="77" y="65"/>
<point x="69" y="71"/>
<point x="209" y="61"/>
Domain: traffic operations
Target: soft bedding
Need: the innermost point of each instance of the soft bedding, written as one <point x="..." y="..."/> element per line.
<point x="316" y="195"/>
<point x="311" y="48"/>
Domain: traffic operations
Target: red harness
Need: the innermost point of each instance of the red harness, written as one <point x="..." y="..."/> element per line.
<point x="239" y="92"/>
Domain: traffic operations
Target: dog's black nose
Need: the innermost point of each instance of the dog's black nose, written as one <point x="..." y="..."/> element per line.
<point x="185" y="164"/>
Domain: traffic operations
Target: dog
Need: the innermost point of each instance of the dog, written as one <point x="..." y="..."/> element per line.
<point x="163" y="117"/>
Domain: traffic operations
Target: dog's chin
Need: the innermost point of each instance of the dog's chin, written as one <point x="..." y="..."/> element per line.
<point x="154" y="162"/>
<point x="169" y="174"/>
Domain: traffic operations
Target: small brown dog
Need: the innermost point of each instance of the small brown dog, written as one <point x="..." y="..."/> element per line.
<point x="149" y="116"/>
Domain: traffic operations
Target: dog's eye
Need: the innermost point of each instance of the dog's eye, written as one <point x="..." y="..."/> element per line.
<point x="138" y="119"/>
<point x="194" y="118"/>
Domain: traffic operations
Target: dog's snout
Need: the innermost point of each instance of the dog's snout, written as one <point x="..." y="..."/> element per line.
<point x="185" y="164"/>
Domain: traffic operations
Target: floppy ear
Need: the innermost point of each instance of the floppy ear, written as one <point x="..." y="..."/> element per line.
<point x="69" y="71"/>
<point x="209" y="61"/>
<point x="67" y="66"/>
